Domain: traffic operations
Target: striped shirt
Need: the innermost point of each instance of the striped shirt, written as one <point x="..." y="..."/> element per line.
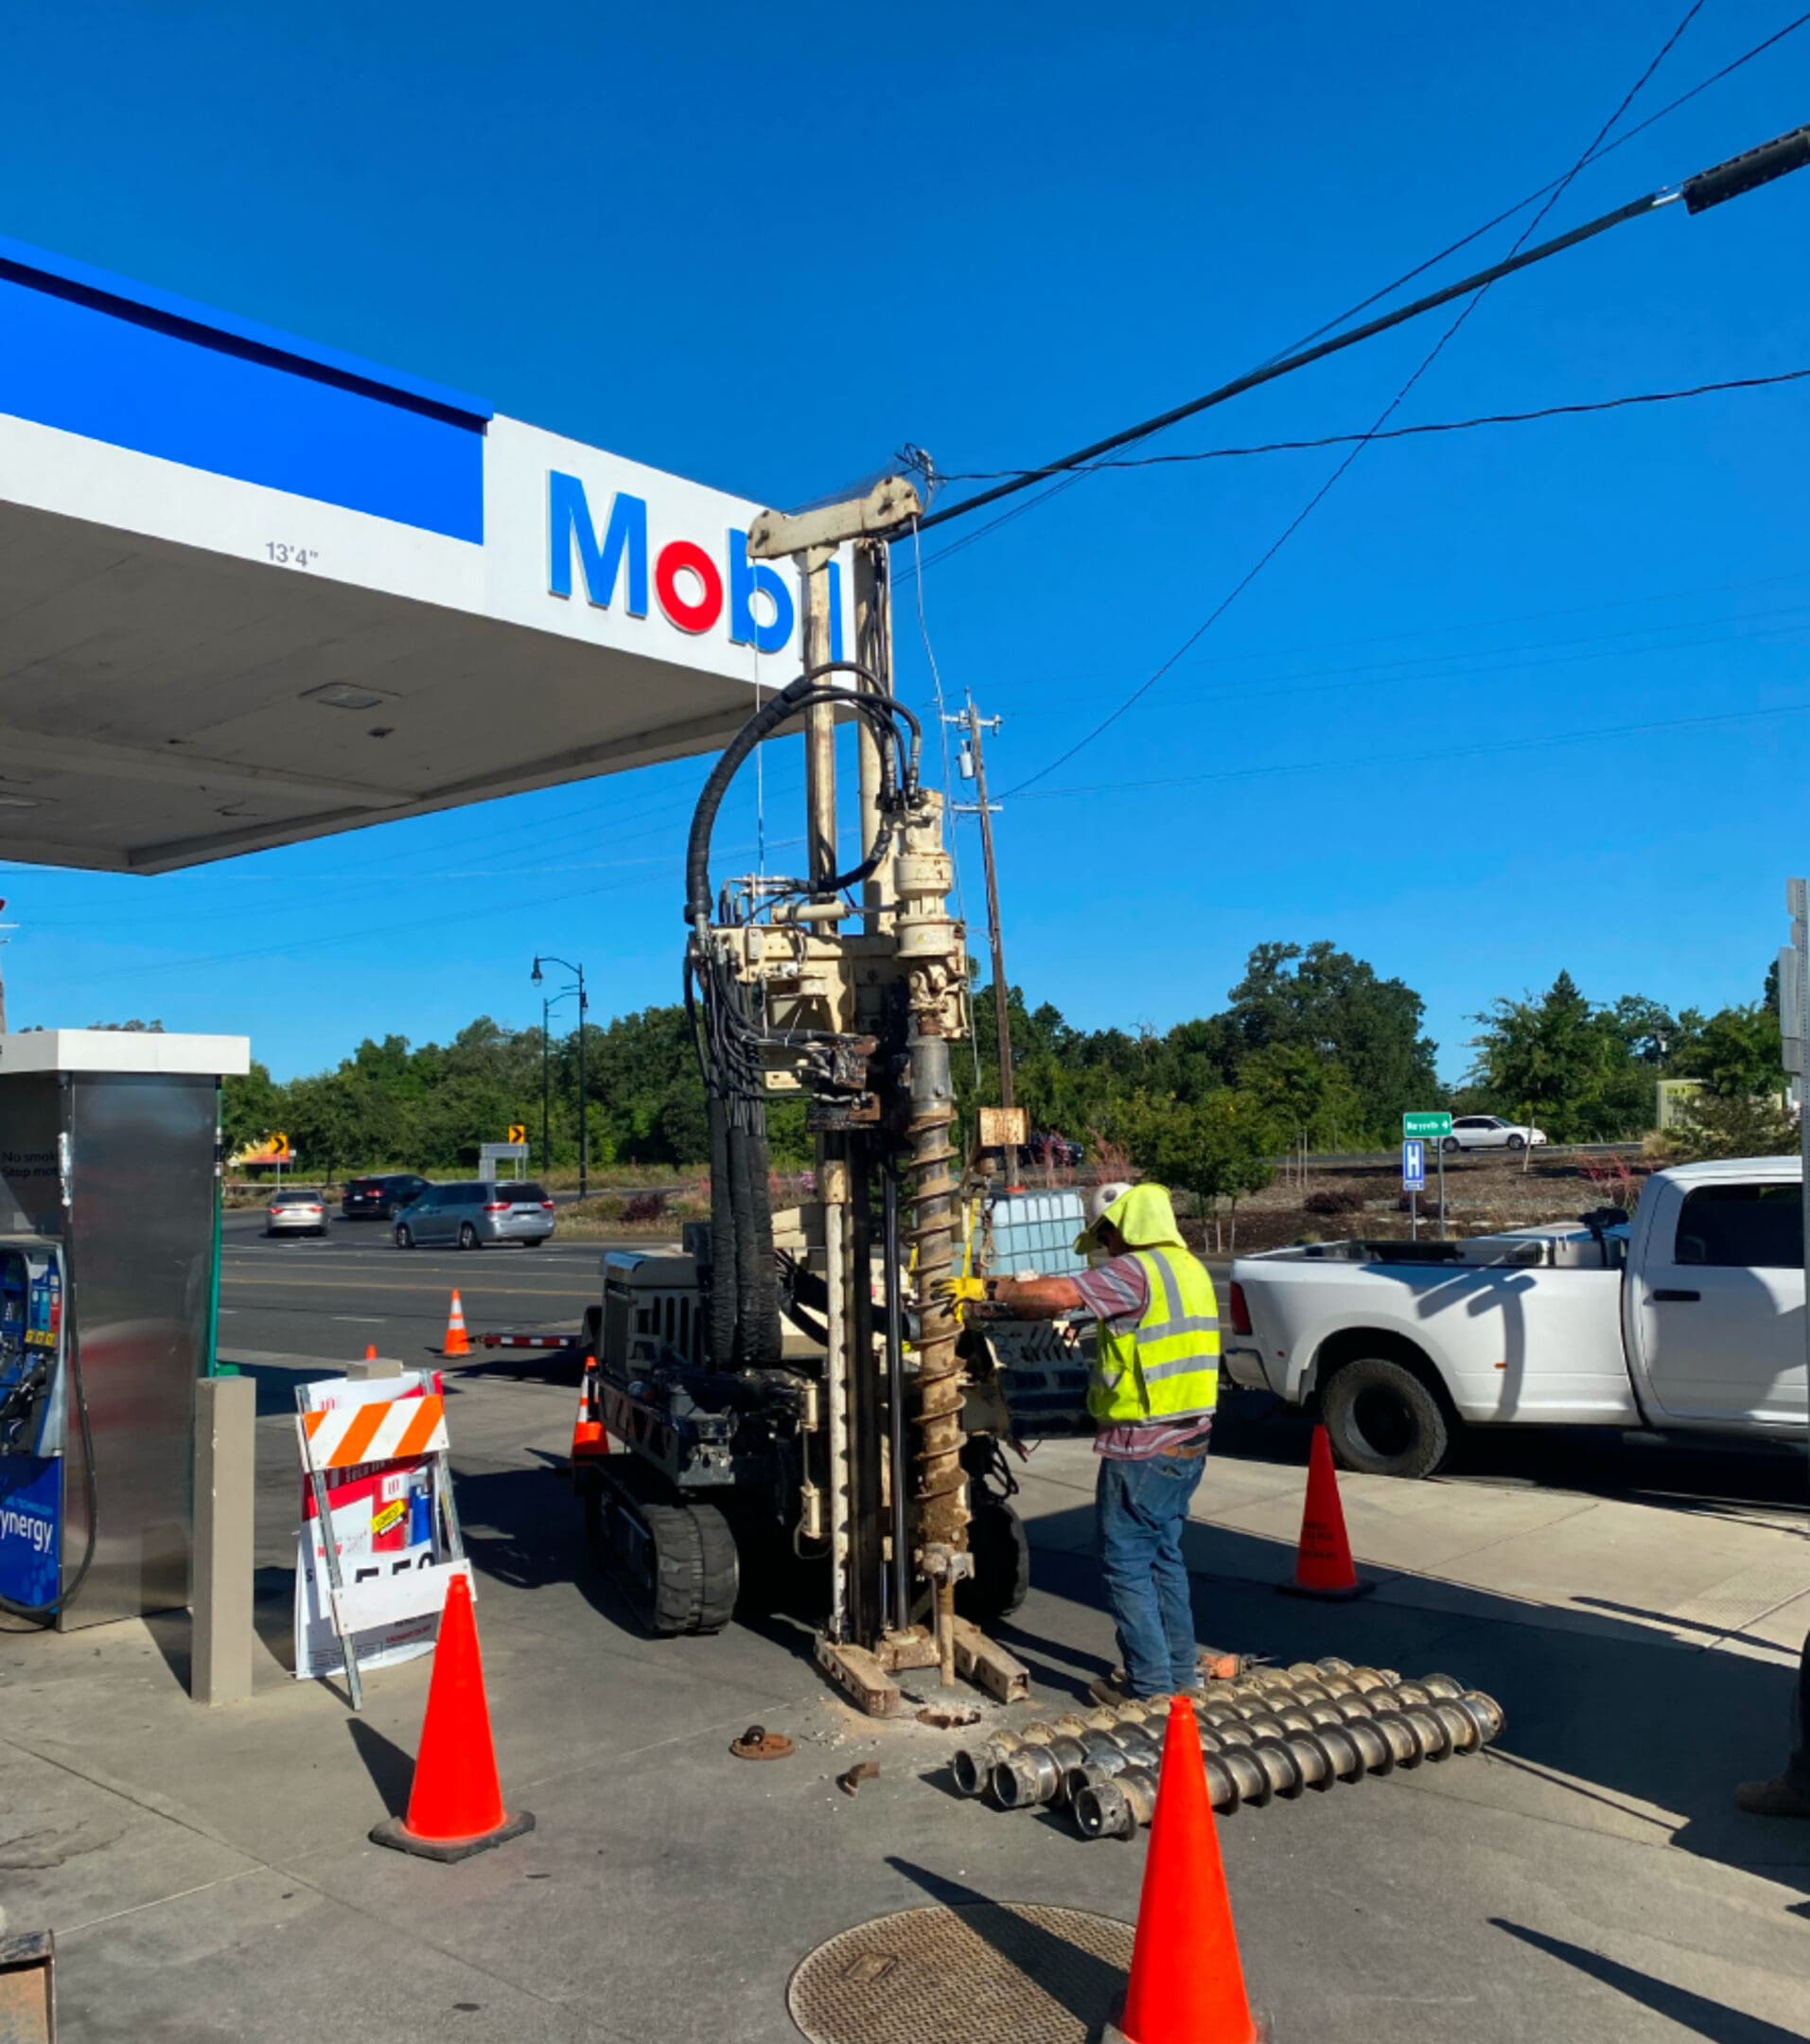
<point x="1118" y="1294"/>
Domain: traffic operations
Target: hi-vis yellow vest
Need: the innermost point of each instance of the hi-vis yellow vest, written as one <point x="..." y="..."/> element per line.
<point x="1168" y="1366"/>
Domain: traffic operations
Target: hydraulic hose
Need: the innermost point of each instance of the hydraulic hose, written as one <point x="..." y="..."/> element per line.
<point x="745" y="1309"/>
<point x="760" y="1286"/>
<point x="723" y="1245"/>
<point x="882" y="710"/>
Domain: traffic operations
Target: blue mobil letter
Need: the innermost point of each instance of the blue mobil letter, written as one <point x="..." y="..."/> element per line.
<point x="569" y="519"/>
<point x="749" y="579"/>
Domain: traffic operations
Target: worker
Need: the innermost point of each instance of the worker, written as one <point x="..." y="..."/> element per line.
<point x="1153" y="1388"/>
<point x="1786" y="1794"/>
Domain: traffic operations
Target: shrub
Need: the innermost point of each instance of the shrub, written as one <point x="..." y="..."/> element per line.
<point x="1713" y="1127"/>
<point x="647" y="1207"/>
<point x="1333" y="1200"/>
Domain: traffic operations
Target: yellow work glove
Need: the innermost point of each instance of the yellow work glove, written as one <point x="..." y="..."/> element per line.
<point x="959" y="1292"/>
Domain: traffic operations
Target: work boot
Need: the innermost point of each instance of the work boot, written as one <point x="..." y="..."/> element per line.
<point x="1113" y="1690"/>
<point x="1211" y="1665"/>
<point x="1780" y="1797"/>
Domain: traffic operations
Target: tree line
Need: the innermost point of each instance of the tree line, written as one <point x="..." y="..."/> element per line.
<point x="1314" y="1046"/>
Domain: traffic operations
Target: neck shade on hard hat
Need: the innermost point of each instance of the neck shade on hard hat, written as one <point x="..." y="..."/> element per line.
<point x="1144" y="1218"/>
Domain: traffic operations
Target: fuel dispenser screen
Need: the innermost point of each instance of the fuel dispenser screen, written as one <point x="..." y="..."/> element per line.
<point x="31" y="1412"/>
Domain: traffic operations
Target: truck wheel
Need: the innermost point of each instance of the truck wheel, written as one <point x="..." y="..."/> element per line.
<point x="1002" y="1564"/>
<point x="1383" y="1422"/>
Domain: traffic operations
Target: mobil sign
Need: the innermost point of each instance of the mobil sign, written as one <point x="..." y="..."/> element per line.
<point x="675" y="558"/>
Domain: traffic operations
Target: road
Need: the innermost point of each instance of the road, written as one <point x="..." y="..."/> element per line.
<point x="331" y="1298"/>
<point x="297" y="1295"/>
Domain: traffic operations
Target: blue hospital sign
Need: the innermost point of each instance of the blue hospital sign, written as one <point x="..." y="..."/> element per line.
<point x="1414" y="1164"/>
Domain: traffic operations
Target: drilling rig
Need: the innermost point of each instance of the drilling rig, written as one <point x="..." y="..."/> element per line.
<point x="860" y="1451"/>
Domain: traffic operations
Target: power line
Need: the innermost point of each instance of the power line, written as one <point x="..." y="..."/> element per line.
<point x="1503" y="661"/>
<point x="1520" y="206"/>
<point x="1491" y="745"/>
<point x="1068" y="480"/>
<point x="1041" y="682"/>
<point x="1409" y="432"/>
<point x="1473" y="291"/>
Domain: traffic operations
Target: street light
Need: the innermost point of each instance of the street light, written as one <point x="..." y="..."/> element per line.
<point x="583" y="1127"/>
<point x="547" y="1007"/>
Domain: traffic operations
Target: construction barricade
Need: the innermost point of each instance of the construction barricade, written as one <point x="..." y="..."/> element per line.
<point x="375" y="1468"/>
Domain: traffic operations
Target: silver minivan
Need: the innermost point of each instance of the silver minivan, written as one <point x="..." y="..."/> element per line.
<point x="476" y="1213"/>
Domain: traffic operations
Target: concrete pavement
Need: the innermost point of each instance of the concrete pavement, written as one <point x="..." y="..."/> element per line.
<point x="208" y="1876"/>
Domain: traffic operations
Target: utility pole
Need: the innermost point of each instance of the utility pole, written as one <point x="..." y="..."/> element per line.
<point x="584" y="1006"/>
<point x="5" y="940"/>
<point x="974" y="760"/>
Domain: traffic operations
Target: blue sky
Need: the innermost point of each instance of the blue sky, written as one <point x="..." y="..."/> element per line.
<point x="766" y="247"/>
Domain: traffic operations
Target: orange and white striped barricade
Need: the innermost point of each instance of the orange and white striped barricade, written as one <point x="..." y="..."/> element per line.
<point x="381" y="1535"/>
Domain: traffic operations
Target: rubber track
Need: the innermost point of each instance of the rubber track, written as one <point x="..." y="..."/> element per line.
<point x="697" y="1570"/>
<point x="721" y="1573"/>
<point x="677" y="1589"/>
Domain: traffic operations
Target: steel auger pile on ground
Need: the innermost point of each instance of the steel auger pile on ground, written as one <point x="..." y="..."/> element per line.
<point x="1274" y="1731"/>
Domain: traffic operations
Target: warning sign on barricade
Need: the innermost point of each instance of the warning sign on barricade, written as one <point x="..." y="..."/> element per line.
<point x="375" y="1461"/>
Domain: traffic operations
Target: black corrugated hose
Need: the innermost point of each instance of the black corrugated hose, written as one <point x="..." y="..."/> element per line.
<point x="744" y="1299"/>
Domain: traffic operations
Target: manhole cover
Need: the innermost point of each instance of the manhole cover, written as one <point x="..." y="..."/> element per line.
<point x="977" y="1974"/>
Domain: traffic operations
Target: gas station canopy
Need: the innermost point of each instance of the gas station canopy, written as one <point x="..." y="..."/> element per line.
<point x="254" y="590"/>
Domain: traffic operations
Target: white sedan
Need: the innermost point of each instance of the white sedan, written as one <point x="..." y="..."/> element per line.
<point x="1491" y="1132"/>
<point x="296" y="1213"/>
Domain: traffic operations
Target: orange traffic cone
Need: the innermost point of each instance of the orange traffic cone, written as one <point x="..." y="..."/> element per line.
<point x="588" y="1435"/>
<point x="1323" y="1563"/>
<point x="1187" y="1984"/>
<point x="458" y="1341"/>
<point x="455" y="1805"/>
<point x="370" y="1351"/>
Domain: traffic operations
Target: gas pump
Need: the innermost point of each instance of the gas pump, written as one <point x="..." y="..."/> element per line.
<point x="34" y="1402"/>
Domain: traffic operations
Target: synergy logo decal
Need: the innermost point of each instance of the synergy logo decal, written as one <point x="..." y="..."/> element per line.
<point x="36" y="1532"/>
<point x="691" y="590"/>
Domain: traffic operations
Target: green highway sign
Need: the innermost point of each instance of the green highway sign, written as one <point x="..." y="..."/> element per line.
<point x="1425" y="1125"/>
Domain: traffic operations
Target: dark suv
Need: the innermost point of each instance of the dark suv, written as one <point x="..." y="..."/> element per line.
<point x="381" y="1198"/>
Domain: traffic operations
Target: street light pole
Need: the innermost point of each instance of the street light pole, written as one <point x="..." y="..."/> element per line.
<point x="546" y="957"/>
<point x="547" y="1006"/>
<point x="584" y="1117"/>
<point x="546" y="1086"/>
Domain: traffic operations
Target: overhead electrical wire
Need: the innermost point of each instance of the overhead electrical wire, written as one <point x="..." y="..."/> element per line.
<point x="466" y="915"/>
<point x="1344" y="761"/>
<point x="1446" y="669"/>
<point x="1709" y="187"/>
<point x="1409" y="432"/>
<point x="1041" y="680"/>
<point x="1520" y="206"/>
<point x="1066" y="472"/>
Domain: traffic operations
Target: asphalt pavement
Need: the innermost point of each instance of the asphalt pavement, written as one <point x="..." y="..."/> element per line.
<point x="304" y="1295"/>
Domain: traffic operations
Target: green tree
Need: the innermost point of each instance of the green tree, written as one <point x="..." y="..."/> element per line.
<point x="1566" y="1065"/>
<point x="1215" y="1148"/>
<point x="252" y="1107"/>
<point x="1318" y="998"/>
<point x="1737" y="1052"/>
<point x="1303" y="1097"/>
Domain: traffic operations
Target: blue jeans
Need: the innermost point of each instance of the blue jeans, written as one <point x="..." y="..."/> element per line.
<point x="1140" y="1511"/>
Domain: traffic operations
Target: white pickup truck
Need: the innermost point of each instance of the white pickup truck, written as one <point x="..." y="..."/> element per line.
<point x="1690" y="1318"/>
